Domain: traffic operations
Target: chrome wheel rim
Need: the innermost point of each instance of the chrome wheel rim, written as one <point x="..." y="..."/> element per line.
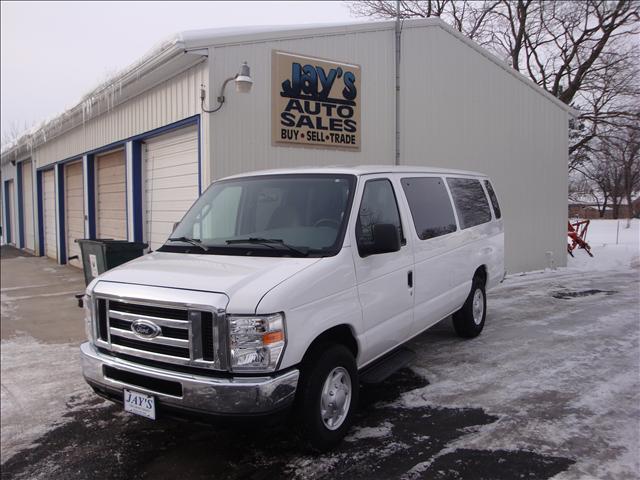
<point x="335" y="399"/>
<point x="478" y="306"/>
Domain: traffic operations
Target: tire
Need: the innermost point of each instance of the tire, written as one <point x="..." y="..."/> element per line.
<point x="315" y="389"/>
<point x="468" y="322"/>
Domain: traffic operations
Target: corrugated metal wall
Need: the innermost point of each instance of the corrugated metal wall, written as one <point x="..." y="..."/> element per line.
<point x="241" y="130"/>
<point x="460" y="110"/>
<point x="172" y="100"/>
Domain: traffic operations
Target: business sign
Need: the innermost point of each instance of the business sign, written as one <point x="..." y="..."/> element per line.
<point x="315" y="102"/>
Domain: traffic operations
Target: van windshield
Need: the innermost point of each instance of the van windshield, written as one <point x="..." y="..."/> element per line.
<point x="271" y="215"/>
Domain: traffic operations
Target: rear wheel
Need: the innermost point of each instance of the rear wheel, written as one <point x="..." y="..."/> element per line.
<point x="468" y="322"/>
<point x="328" y="396"/>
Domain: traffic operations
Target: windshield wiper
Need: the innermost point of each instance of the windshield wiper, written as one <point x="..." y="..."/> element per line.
<point x="269" y="242"/>
<point x="192" y="241"/>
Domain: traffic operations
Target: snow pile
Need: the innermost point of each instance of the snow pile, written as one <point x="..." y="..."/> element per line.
<point x="382" y="430"/>
<point x="40" y="383"/>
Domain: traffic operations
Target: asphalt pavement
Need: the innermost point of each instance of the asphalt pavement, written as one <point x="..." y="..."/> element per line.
<point x="550" y="389"/>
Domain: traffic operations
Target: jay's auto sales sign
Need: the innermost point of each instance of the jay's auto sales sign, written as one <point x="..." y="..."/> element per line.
<point x="315" y="102"/>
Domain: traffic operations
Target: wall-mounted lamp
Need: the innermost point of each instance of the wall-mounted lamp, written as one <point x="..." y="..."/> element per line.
<point x="243" y="81"/>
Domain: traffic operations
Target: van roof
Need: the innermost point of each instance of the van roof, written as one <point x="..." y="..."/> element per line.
<point x="359" y="170"/>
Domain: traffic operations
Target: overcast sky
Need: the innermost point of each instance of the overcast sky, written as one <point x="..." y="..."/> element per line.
<point x="54" y="52"/>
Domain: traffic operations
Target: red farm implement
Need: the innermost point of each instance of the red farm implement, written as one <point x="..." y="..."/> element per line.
<point x="578" y="237"/>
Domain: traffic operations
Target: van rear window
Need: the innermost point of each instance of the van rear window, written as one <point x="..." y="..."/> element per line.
<point x="493" y="198"/>
<point x="430" y="206"/>
<point x="470" y="201"/>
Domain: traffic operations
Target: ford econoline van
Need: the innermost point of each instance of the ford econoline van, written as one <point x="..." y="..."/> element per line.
<point x="284" y="290"/>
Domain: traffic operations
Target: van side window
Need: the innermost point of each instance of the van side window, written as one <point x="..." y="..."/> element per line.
<point x="430" y="206"/>
<point x="378" y="205"/>
<point x="493" y="198"/>
<point x="470" y="201"/>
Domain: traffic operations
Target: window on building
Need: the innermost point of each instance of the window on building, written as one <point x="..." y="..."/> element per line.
<point x="378" y="205"/>
<point x="470" y="201"/>
<point x="493" y="198"/>
<point x="430" y="206"/>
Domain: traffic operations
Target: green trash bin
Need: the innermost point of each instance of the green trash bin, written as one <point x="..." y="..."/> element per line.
<point x="103" y="254"/>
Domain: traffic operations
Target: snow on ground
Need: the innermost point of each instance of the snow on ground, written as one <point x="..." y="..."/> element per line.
<point x="35" y="395"/>
<point x="563" y="374"/>
<point x="558" y="365"/>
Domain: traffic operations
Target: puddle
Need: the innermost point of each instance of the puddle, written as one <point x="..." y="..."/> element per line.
<point x="566" y="295"/>
<point x="495" y="465"/>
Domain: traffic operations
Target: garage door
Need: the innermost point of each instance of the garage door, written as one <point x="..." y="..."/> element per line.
<point x="171" y="182"/>
<point x="27" y="203"/>
<point x="49" y="214"/>
<point x="111" y="196"/>
<point x="74" y="206"/>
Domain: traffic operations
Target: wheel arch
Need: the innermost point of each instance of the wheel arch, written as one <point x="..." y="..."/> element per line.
<point x="481" y="273"/>
<point x="342" y="334"/>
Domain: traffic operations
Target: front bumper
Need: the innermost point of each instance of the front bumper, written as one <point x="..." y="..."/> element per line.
<point x="198" y="394"/>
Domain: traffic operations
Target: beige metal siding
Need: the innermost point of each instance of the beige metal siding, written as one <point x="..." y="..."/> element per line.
<point x="74" y="210"/>
<point x="171" y="182"/>
<point x="460" y="110"/>
<point x="49" y="213"/>
<point x="170" y="101"/>
<point x="27" y="204"/>
<point x="241" y="131"/>
<point x="111" y="196"/>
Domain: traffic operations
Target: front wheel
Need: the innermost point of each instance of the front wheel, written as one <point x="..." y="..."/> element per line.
<point x="328" y="396"/>
<point x="468" y="322"/>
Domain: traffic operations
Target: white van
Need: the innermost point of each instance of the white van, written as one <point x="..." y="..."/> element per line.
<point x="287" y="288"/>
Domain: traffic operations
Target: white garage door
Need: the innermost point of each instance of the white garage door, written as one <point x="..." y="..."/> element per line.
<point x="74" y="210"/>
<point x="27" y="204"/>
<point x="171" y="182"/>
<point x="49" y="213"/>
<point x="111" y="196"/>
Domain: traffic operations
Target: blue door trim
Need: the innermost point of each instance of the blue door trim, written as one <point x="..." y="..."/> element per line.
<point x="20" y="234"/>
<point x="7" y="212"/>
<point x="91" y="194"/>
<point x="136" y="173"/>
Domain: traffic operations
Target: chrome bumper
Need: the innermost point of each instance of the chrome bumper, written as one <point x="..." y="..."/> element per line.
<point x="224" y="396"/>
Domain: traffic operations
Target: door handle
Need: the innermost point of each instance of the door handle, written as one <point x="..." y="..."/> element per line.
<point x="410" y="278"/>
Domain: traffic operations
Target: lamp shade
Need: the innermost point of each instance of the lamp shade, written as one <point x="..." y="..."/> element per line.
<point x="243" y="80"/>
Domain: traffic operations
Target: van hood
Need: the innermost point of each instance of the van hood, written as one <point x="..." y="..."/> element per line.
<point x="245" y="280"/>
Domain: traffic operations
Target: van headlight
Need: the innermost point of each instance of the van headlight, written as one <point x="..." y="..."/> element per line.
<point x="87" y="305"/>
<point x="256" y="342"/>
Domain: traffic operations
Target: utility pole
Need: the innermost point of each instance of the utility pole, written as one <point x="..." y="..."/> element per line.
<point x="398" y="31"/>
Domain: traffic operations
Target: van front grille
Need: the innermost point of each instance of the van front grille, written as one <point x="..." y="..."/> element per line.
<point x="156" y="332"/>
<point x="151" y="347"/>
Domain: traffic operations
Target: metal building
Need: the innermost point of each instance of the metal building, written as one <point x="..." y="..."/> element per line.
<point x="129" y="159"/>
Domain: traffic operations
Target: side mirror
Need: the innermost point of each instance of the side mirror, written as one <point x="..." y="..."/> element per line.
<point x="386" y="239"/>
<point x="175" y="225"/>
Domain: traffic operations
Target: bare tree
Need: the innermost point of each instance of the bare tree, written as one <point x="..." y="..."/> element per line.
<point x="612" y="168"/>
<point x="622" y="149"/>
<point x="584" y="53"/>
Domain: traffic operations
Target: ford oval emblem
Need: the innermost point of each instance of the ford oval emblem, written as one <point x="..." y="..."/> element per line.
<point x="145" y="329"/>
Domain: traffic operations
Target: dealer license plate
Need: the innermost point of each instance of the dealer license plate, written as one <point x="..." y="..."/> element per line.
<point x="140" y="404"/>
